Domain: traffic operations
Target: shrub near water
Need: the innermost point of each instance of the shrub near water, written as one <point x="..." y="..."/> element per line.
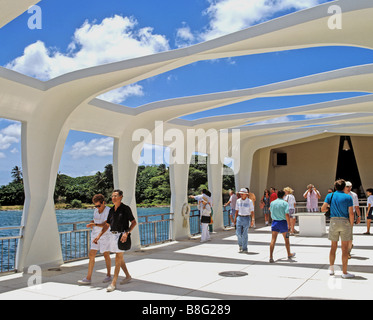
<point x="76" y="203"/>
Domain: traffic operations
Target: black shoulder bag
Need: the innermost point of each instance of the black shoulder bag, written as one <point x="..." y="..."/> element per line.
<point x="327" y="213"/>
<point x="124" y="245"/>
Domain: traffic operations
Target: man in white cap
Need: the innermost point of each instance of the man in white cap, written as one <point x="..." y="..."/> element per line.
<point x="356" y="209"/>
<point x="242" y="219"/>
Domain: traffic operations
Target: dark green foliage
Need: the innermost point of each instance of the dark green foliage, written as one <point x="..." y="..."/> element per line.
<point x="152" y="185"/>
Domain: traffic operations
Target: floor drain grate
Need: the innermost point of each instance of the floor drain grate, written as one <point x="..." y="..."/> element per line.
<point x="233" y="274"/>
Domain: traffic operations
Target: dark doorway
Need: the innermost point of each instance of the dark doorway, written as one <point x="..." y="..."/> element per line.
<point x="347" y="167"/>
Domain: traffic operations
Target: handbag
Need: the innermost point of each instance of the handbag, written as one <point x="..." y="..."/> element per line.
<point x="327" y="213"/>
<point x="262" y="204"/>
<point x="124" y="245"/>
<point x="206" y="219"/>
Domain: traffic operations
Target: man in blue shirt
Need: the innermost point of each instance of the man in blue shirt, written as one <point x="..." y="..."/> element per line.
<point x="341" y="222"/>
<point x="280" y="214"/>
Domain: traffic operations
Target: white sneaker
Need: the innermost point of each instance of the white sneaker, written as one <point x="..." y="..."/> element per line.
<point x="348" y="275"/>
<point x="110" y="288"/>
<point x="331" y="271"/>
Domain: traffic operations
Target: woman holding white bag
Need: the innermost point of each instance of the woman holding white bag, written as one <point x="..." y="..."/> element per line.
<point x="205" y="218"/>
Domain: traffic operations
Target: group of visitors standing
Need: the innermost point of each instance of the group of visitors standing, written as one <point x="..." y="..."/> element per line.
<point x="242" y="214"/>
<point x="344" y="210"/>
<point x="271" y="195"/>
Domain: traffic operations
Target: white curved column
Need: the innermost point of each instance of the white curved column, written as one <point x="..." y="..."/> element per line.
<point x="215" y="182"/>
<point x="179" y="195"/>
<point x="41" y="155"/>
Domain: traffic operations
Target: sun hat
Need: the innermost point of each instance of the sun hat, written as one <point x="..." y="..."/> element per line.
<point x="243" y="190"/>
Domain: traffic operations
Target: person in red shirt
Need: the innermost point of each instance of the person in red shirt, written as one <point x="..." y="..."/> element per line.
<point x="273" y="195"/>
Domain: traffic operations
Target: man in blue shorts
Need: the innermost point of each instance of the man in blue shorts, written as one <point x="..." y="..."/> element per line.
<point x="280" y="214"/>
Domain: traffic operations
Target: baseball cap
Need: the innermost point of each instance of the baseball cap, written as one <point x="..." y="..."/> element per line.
<point x="348" y="184"/>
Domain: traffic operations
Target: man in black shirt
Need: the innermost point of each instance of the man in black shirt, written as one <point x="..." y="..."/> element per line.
<point x="119" y="219"/>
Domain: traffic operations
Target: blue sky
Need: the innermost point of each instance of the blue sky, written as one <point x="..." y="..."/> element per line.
<point x="78" y="34"/>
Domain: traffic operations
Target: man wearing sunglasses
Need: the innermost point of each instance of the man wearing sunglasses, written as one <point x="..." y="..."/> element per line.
<point x="121" y="222"/>
<point x="100" y="215"/>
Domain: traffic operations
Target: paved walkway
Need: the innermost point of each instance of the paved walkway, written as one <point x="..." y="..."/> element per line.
<point x="192" y="270"/>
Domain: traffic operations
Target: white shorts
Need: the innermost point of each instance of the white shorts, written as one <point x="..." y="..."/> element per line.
<point x="104" y="244"/>
<point x="114" y="242"/>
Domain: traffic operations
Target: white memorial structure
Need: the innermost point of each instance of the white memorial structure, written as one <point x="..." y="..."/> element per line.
<point x="48" y="110"/>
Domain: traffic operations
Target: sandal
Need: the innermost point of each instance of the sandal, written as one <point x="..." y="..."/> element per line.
<point x="85" y="281"/>
<point x="291" y="256"/>
<point x="126" y="280"/>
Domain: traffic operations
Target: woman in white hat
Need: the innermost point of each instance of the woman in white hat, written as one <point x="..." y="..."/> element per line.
<point x="205" y="218"/>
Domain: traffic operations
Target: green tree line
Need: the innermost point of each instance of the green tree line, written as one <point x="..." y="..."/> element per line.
<point x="152" y="186"/>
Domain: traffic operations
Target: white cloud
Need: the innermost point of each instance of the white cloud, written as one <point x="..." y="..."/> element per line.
<point x="102" y="147"/>
<point x="323" y="115"/>
<point x="184" y="36"/>
<point x="13" y="130"/>
<point x="114" y="39"/>
<point x="9" y="135"/>
<point x="274" y="120"/>
<point x="121" y="94"/>
<point x="98" y="147"/>
<point x="227" y="16"/>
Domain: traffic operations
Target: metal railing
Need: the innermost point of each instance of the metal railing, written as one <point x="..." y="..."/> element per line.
<point x="153" y="230"/>
<point x="8" y="248"/>
<point x="75" y="238"/>
<point x="194" y="222"/>
<point x="75" y="244"/>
